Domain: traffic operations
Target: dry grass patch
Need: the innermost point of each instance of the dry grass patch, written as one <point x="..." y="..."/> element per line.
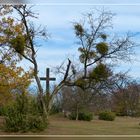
<point x="121" y="126"/>
<point x="58" y="125"/>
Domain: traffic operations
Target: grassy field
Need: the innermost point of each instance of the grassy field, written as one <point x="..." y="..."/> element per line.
<point x="121" y="126"/>
<point x="59" y="125"/>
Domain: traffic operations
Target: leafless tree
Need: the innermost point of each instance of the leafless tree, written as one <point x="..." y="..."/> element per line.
<point x="96" y="45"/>
<point x="30" y="33"/>
<point x="125" y="100"/>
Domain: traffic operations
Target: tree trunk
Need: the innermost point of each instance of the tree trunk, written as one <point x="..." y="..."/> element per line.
<point x="40" y="95"/>
<point x="33" y="57"/>
<point x="85" y="70"/>
<point x="77" y="113"/>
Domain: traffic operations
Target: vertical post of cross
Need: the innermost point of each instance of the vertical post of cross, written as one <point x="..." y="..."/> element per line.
<point x="47" y="79"/>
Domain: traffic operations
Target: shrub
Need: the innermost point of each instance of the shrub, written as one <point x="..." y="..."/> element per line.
<point x="3" y="110"/>
<point x="108" y="116"/>
<point x="19" y="117"/>
<point x="36" y="123"/>
<point x="85" y="116"/>
<point x="55" y="109"/>
<point x="15" y="121"/>
<point x="72" y="116"/>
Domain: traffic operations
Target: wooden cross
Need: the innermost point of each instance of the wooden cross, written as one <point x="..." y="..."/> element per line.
<point x="47" y="79"/>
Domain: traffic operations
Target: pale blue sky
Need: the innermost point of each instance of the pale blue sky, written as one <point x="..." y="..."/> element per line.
<point x="70" y="1"/>
<point x="61" y="45"/>
<point x="83" y="1"/>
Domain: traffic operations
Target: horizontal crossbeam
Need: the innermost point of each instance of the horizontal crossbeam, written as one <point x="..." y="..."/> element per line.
<point x="48" y="79"/>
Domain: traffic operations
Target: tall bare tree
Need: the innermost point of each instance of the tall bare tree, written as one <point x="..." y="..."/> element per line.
<point x="22" y="42"/>
<point x="97" y="46"/>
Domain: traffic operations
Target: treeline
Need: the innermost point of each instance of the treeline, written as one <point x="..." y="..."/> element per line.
<point x="123" y="99"/>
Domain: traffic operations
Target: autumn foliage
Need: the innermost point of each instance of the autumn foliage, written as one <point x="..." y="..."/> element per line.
<point x="12" y="80"/>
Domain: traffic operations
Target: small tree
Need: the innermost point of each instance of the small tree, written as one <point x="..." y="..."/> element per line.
<point x="21" y="40"/>
<point x="126" y="100"/>
<point x="13" y="81"/>
<point x="77" y="103"/>
<point x="8" y="30"/>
